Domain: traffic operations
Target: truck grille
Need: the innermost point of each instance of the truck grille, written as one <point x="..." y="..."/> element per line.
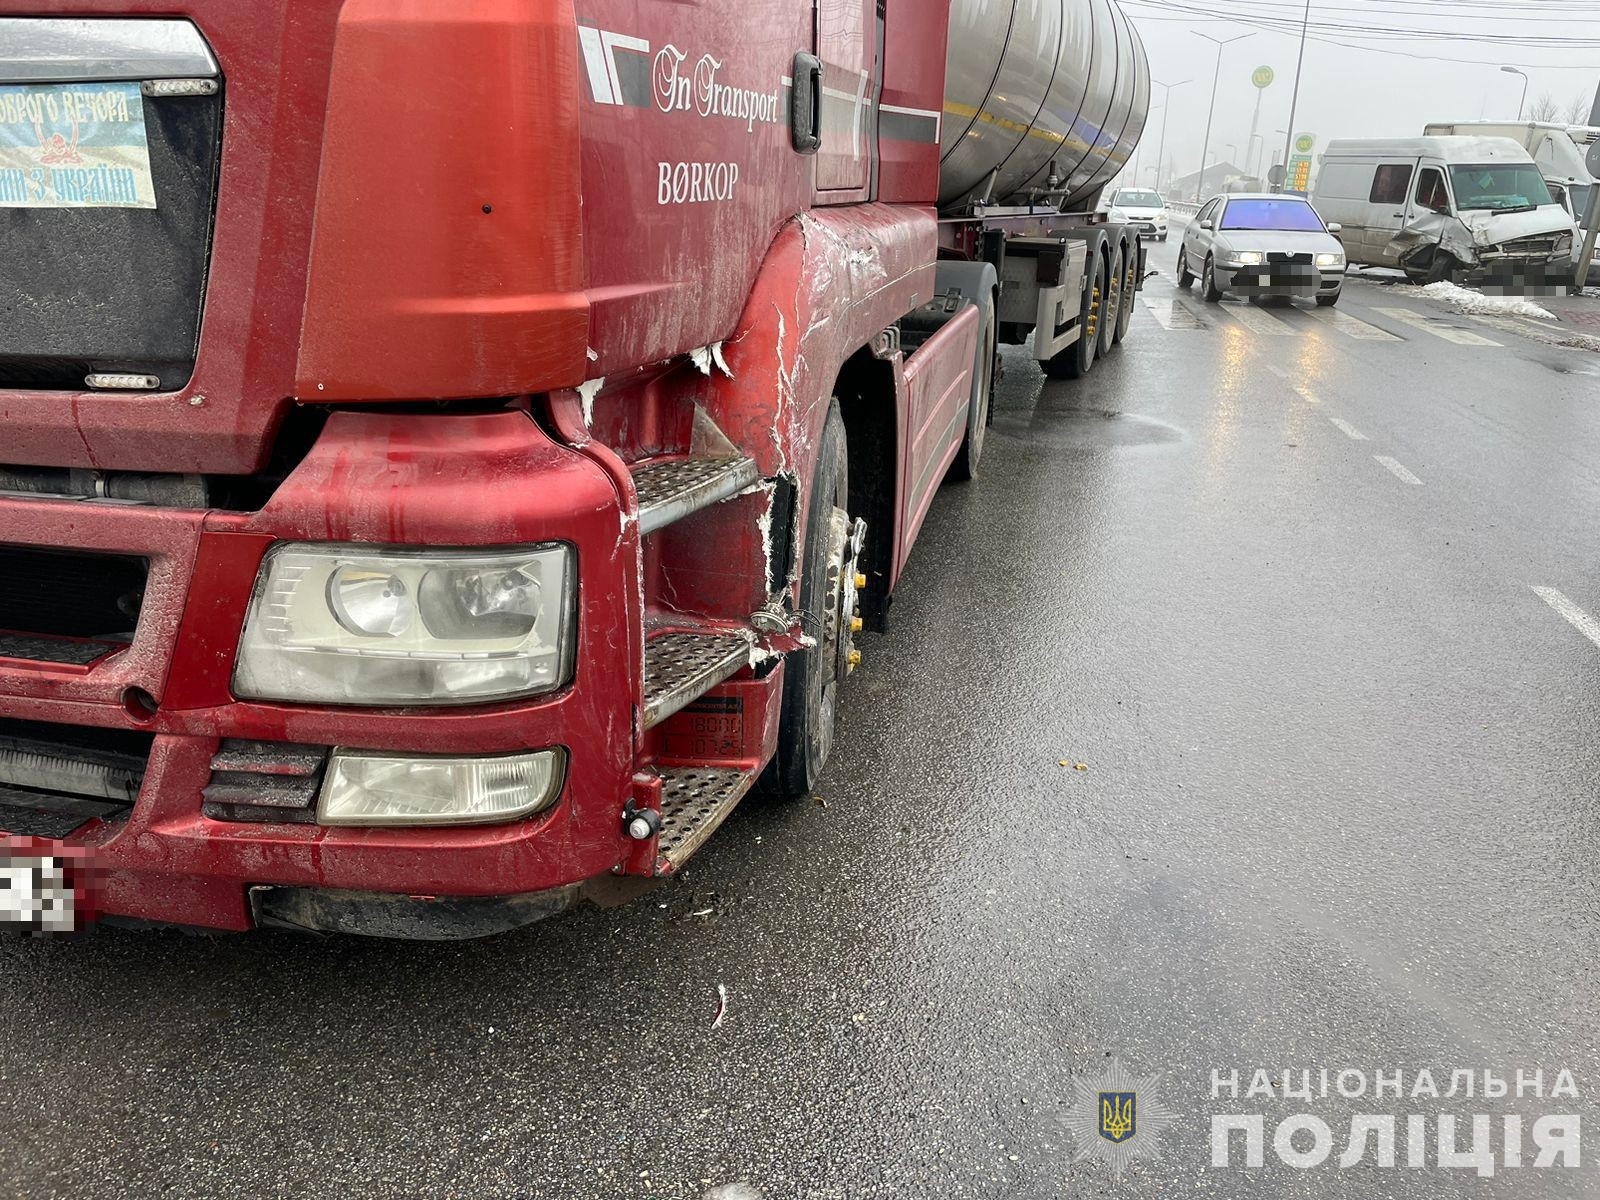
<point x="55" y="778"/>
<point x="92" y="286"/>
<point x="62" y="606"/>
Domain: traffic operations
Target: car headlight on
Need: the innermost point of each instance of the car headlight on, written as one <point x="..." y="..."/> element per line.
<point x="1246" y="258"/>
<point x="368" y="788"/>
<point x="1330" y="260"/>
<point x="351" y="625"/>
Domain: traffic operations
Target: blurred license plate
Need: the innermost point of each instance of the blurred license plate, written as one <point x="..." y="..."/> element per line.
<point x="37" y="892"/>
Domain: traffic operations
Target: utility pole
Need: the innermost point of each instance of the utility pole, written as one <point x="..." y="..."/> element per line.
<point x="1294" y="104"/>
<point x="1211" y="113"/>
<point x="1166" y="108"/>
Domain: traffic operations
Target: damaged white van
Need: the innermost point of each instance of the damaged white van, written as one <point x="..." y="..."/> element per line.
<point x="1446" y="208"/>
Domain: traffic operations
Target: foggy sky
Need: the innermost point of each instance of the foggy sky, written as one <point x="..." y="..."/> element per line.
<point x="1349" y="92"/>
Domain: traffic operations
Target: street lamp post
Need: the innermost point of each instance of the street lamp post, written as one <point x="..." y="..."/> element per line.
<point x="1166" y="108"/>
<point x="1211" y="113"/>
<point x="1522" y="102"/>
<point x="1294" y="104"/>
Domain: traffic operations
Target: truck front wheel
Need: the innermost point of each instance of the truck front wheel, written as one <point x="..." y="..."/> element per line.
<point x="812" y="676"/>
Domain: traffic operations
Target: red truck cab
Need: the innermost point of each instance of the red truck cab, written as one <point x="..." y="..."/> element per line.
<point x="447" y="451"/>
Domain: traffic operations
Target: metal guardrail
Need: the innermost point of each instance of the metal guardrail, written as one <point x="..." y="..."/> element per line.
<point x="1182" y="209"/>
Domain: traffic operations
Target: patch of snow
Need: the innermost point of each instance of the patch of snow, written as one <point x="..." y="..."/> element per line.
<point x="1466" y="300"/>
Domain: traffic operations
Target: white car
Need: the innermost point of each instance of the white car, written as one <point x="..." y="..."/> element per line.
<point x="1142" y="208"/>
<point x="1261" y="244"/>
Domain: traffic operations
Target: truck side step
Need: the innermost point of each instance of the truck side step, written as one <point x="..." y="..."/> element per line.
<point x="671" y="489"/>
<point x="679" y="668"/>
<point x="694" y="801"/>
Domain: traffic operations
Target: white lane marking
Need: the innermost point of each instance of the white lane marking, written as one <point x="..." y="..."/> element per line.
<point x="1280" y="371"/>
<point x="1399" y="472"/>
<point x="1349" y="430"/>
<point x="1437" y="327"/>
<point x="1170" y="314"/>
<point x="1574" y="616"/>
<point x="1257" y="321"/>
<point x="1307" y="394"/>
<point x="1350" y="327"/>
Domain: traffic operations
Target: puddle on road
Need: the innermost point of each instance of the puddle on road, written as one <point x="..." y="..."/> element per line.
<point x="1084" y="428"/>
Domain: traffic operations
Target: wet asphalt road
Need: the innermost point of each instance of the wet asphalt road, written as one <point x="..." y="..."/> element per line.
<point x="1338" y="811"/>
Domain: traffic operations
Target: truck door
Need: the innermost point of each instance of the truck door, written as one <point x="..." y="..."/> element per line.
<point x="847" y="44"/>
<point x="1387" y="212"/>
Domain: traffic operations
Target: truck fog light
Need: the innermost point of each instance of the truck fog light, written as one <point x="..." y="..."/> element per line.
<point x="363" y="788"/>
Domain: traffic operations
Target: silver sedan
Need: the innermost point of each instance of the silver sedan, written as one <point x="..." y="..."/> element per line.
<point x="1262" y="245"/>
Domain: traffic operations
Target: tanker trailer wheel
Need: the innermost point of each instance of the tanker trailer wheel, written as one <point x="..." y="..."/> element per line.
<point x="1112" y="316"/>
<point x="812" y="676"/>
<point x="981" y="412"/>
<point x="1130" y="290"/>
<point x="1077" y="360"/>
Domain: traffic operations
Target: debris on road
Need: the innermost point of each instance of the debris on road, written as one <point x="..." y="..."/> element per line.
<point x="722" y="1006"/>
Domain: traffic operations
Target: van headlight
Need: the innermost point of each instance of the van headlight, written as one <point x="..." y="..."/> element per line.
<point x="1330" y="260"/>
<point x="351" y="625"/>
<point x="1563" y="244"/>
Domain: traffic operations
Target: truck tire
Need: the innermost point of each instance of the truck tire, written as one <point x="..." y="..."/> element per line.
<point x="981" y="411"/>
<point x="1077" y="360"/>
<point x="812" y="676"/>
<point x="1130" y="293"/>
<point x="1112" y="314"/>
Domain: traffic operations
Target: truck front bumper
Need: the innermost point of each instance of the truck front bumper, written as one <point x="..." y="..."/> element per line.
<point x="371" y="479"/>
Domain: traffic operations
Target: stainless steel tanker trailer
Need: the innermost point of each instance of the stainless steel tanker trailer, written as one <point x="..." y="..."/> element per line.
<point x="1045" y="101"/>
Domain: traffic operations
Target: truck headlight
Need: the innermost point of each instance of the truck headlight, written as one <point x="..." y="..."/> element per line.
<point x="1245" y="258"/>
<point x="1330" y="260"/>
<point x="365" y="788"/>
<point x="352" y="625"/>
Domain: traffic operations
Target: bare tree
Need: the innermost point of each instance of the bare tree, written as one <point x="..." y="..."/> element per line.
<point x="1578" y="111"/>
<point x="1545" y="108"/>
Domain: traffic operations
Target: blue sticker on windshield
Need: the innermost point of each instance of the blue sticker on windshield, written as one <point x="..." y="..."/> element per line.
<point x="74" y="145"/>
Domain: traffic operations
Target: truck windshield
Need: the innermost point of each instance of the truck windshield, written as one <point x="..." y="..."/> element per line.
<point x="1138" y="198"/>
<point x="1294" y="216"/>
<point x="1499" y="187"/>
